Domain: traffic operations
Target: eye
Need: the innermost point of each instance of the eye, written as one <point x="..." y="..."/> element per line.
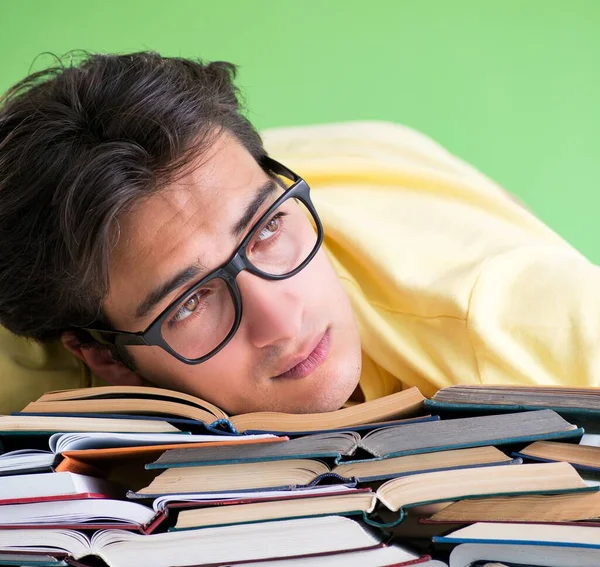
<point x="189" y="306"/>
<point x="271" y="228"/>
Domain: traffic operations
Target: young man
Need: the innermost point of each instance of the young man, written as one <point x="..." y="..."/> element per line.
<point x="146" y="229"/>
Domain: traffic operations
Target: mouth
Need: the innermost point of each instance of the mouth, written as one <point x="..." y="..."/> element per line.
<point x="303" y="365"/>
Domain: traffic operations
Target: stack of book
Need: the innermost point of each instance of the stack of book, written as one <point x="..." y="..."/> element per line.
<point x="143" y="476"/>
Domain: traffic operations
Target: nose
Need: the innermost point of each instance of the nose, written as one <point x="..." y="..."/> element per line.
<point x="272" y="312"/>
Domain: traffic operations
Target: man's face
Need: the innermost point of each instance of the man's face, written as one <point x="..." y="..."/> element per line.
<point x="308" y="315"/>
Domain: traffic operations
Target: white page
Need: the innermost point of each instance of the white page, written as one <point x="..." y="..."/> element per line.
<point x="590" y="439"/>
<point x="556" y="533"/>
<point x="76" y="511"/>
<point x="46" y="541"/>
<point x="232" y="543"/>
<point x="543" y="555"/>
<point x="367" y="558"/>
<point x="48" y="484"/>
<point x="26" y="459"/>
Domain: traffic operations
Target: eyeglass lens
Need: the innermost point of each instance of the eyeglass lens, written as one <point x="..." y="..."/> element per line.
<point x="204" y="319"/>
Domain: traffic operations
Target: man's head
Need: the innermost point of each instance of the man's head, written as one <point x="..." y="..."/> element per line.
<point x="126" y="173"/>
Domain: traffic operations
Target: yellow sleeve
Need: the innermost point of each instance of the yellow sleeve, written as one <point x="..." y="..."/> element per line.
<point x="534" y="318"/>
<point x="451" y="280"/>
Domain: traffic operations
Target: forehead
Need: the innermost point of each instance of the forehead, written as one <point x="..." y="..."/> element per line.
<point x="188" y="221"/>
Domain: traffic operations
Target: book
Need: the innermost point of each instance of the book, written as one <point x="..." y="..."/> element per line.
<point x="43" y="425"/>
<point x="245" y="542"/>
<point x="304" y="472"/>
<point x="383" y="443"/>
<point x="158" y="401"/>
<point x="293" y="505"/>
<point x="552" y="508"/>
<point x="582" y="457"/>
<point x="51" y="486"/>
<point x="31" y="560"/>
<point x="590" y="439"/>
<point x="535" y="544"/>
<point x="82" y="514"/>
<point x="393" y="555"/>
<point x="482" y="398"/>
<point x="100" y="461"/>
<point x="401" y="493"/>
<point x="510" y="555"/>
<point x="22" y="460"/>
<point x="203" y="499"/>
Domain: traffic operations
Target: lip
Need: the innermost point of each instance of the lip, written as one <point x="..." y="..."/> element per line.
<point x="304" y="364"/>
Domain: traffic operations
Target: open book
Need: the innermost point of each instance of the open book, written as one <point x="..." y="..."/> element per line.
<point x="382" y="556"/>
<point x="158" y="401"/>
<point x="584" y="457"/>
<point x="405" y="492"/>
<point x="93" y="442"/>
<point x="383" y="443"/>
<point x="290" y="538"/>
<point x="549" y="508"/>
<point x="84" y="514"/>
<point x="482" y="398"/>
<point x="291" y="473"/>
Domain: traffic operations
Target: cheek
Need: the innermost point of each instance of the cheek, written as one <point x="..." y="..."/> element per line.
<point x="201" y="380"/>
<point x="320" y="280"/>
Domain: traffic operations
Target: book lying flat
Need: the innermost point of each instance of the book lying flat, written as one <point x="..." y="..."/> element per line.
<point x="382" y="556"/>
<point x="97" y="462"/>
<point x="383" y="443"/>
<point x="247" y="542"/>
<point x="293" y="505"/>
<point x="42" y="424"/>
<point x="204" y="499"/>
<point x="82" y="514"/>
<point x="20" y="489"/>
<point x="158" y="401"/>
<point x="289" y="473"/>
<point x="582" y="457"/>
<point x="511" y="555"/>
<point x="482" y="398"/>
<point x="21" y="460"/>
<point x="550" y="508"/>
<point x="31" y="560"/>
<point x="538" y="535"/>
<point x="416" y="490"/>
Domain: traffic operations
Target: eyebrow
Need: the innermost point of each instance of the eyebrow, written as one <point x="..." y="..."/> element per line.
<point x="262" y="194"/>
<point x="156" y="296"/>
<point x="165" y="289"/>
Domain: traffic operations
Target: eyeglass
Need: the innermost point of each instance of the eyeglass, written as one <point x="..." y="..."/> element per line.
<point x="202" y="320"/>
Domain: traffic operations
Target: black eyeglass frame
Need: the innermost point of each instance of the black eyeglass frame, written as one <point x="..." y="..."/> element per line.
<point x="228" y="272"/>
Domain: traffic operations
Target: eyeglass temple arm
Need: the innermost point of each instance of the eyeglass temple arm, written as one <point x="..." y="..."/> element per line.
<point x="279" y="168"/>
<point x="118" y="338"/>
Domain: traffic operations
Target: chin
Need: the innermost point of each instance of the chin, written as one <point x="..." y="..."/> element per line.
<point x="324" y="399"/>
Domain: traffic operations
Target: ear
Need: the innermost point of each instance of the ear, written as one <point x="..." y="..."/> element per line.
<point x="101" y="363"/>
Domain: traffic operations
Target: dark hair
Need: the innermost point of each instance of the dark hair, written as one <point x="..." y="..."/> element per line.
<point x="79" y="144"/>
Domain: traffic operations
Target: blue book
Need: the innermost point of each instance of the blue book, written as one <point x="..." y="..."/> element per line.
<point x="387" y="442"/>
<point x="575" y="403"/>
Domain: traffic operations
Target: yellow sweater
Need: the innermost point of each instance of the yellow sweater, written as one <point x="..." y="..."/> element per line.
<point x="452" y="281"/>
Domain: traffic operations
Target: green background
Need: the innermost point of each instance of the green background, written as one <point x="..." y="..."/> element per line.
<point x="511" y="86"/>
